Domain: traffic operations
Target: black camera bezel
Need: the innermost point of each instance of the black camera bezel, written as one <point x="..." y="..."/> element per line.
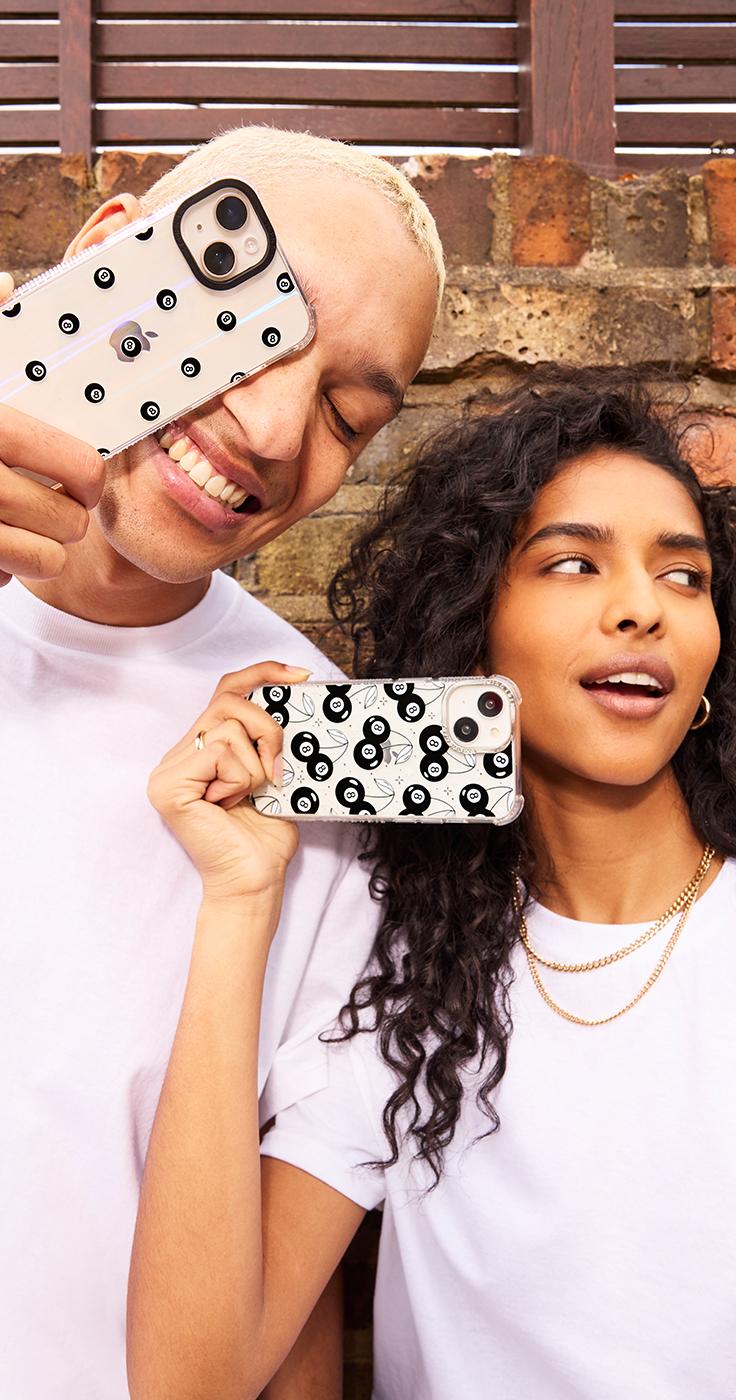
<point x="224" y="284"/>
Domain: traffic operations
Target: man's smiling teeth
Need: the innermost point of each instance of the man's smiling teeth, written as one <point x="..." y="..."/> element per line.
<point x="201" y="472"/>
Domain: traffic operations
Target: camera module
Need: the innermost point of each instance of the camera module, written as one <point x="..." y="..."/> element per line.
<point x="231" y="212"/>
<point x="490" y="703"/>
<point x="465" y="729"/>
<point x="219" y="258"/>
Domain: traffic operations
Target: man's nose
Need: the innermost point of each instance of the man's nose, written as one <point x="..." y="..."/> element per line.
<point x="634" y="606"/>
<point x="274" y="409"/>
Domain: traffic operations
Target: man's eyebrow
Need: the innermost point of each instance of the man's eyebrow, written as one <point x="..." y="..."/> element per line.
<point x="374" y="376"/>
<point x="384" y="383"/>
<point x="573" y="529"/>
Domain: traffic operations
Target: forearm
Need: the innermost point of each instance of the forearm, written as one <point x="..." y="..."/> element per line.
<point x="313" y="1368"/>
<point x="196" y="1284"/>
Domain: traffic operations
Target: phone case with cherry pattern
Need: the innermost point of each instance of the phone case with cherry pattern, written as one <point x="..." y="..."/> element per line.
<point x="377" y="750"/>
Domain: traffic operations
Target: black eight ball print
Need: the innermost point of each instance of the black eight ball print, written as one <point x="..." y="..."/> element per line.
<point x="166" y="299"/>
<point x="104" y="278"/>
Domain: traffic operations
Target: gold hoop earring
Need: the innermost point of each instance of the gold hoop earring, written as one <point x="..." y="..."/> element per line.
<point x="700" y="720"/>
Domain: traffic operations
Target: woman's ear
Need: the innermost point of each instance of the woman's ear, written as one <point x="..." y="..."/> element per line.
<point x="114" y="214"/>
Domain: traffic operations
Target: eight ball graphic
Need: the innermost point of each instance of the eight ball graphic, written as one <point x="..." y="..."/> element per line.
<point x="320" y="768"/>
<point x="130" y="346"/>
<point x="474" y="800"/>
<point x="416" y="801"/>
<point x="304" y="801"/>
<point x="337" y="705"/>
<point x="271" y="337"/>
<point x="284" y="283"/>
<point x="304" y="746"/>
<point x="227" y="321"/>
<point x="190" y="367"/>
<point x="377" y="728"/>
<point x="94" y="393"/>
<point x="150" y="411"/>
<point x="434" y="767"/>
<point x="166" y="299"/>
<point x="104" y="278"/>
<point x="35" y="371"/>
<point x="68" y="323"/>
<point x="350" y="793"/>
<point x="367" y="754"/>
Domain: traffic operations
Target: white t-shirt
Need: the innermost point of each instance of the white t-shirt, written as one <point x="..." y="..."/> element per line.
<point x="586" y="1251"/>
<point x="97" y="916"/>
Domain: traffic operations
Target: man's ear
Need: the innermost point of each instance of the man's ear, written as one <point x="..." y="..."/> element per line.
<point x="114" y="214"/>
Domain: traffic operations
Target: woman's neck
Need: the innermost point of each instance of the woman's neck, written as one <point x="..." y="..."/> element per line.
<point x="607" y="854"/>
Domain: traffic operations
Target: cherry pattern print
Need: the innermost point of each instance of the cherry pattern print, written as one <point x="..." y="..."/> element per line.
<point x="378" y="750"/>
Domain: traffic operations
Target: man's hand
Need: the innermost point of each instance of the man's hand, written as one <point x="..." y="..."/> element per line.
<point x="38" y="521"/>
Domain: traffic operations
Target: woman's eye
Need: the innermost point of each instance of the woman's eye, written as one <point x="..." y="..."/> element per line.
<point x="350" y="434"/>
<point x="689" y="578"/>
<point x="572" y="565"/>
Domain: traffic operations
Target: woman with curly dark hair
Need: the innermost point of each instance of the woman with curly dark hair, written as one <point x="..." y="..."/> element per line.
<point x="534" y="1077"/>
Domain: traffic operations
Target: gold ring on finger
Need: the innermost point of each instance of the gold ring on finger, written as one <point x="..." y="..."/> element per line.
<point x="199" y="741"/>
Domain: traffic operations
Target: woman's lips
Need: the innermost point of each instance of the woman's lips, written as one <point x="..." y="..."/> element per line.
<point x="626" y="706"/>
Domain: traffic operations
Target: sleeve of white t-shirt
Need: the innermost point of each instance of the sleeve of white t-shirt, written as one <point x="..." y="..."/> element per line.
<point x="332" y="1133"/>
<point x="338" y="955"/>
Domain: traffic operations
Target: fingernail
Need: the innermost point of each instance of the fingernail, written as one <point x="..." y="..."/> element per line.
<point x="297" y="671"/>
<point x="278" y="770"/>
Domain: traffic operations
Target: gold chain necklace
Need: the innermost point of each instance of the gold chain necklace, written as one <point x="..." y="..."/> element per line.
<point x="692" y="887"/>
<point x="639" y="942"/>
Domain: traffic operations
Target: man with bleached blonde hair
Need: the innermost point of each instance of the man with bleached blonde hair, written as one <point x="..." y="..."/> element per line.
<point x="115" y="626"/>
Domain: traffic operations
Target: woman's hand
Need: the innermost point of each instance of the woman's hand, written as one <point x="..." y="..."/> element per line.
<point x="200" y="790"/>
<point x="38" y="521"/>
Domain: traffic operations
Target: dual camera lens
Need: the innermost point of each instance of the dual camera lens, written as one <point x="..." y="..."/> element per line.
<point x="466" y="729"/>
<point x="231" y="214"/>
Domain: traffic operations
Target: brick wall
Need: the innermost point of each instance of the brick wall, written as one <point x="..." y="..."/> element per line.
<point x="544" y="263"/>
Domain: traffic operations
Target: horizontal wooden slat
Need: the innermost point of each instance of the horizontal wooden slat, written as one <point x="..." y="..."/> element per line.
<point x="130" y="82"/>
<point x="682" y="10"/>
<point x="28" y="128"/>
<point x="401" y="126"/>
<point x="29" y="40"/>
<point x="675" y="128"/>
<point x="29" y="82"/>
<point x="671" y="83"/>
<point x="316" y="9"/>
<point x="28" y="7"/>
<point x="252" y="40"/>
<point x="683" y="42"/>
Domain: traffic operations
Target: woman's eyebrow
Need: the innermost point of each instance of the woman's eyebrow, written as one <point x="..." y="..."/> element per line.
<point x="677" y="541"/>
<point x="573" y="529"/>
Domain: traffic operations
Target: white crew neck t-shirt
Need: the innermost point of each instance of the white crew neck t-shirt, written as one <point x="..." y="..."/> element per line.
<point x="97" y="914"/>
<point x="587" y="1250"/>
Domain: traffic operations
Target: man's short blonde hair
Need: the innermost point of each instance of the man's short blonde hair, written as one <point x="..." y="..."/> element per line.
<point x="264" y="153"/>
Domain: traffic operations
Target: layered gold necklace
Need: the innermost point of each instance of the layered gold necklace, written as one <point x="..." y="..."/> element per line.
<point x="682" y="905"/>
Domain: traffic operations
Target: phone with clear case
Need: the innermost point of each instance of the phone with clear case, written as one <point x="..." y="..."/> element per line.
<point x="136" y="331"/>
<point x="401" y="751"/>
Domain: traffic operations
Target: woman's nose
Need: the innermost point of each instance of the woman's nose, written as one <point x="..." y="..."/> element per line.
<point x="634" y="608"/>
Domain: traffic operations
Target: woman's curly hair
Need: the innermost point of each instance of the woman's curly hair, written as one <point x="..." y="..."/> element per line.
<point x="416" y="597"/>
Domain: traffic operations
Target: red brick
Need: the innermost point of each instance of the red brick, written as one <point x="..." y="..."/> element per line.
<point x="723" y="328"/>
<point x="118" y="172"/>
<point x="458" y="193"/>
<point x="44" y="200"/>
<point x="719" y="180"/>
<point x="550" y="212"/>
<point x="710" y="445"/>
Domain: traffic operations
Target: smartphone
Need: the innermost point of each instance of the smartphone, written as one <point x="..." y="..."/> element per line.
<point x="166" y="313"/>
<point x="399" y="751"/>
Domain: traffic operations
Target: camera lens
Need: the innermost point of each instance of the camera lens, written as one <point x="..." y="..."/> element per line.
<point x="231" y="212"/>
<point x="490" y="704"/>
<point x="465" y="729"/>
<point x="219" y="259"/>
